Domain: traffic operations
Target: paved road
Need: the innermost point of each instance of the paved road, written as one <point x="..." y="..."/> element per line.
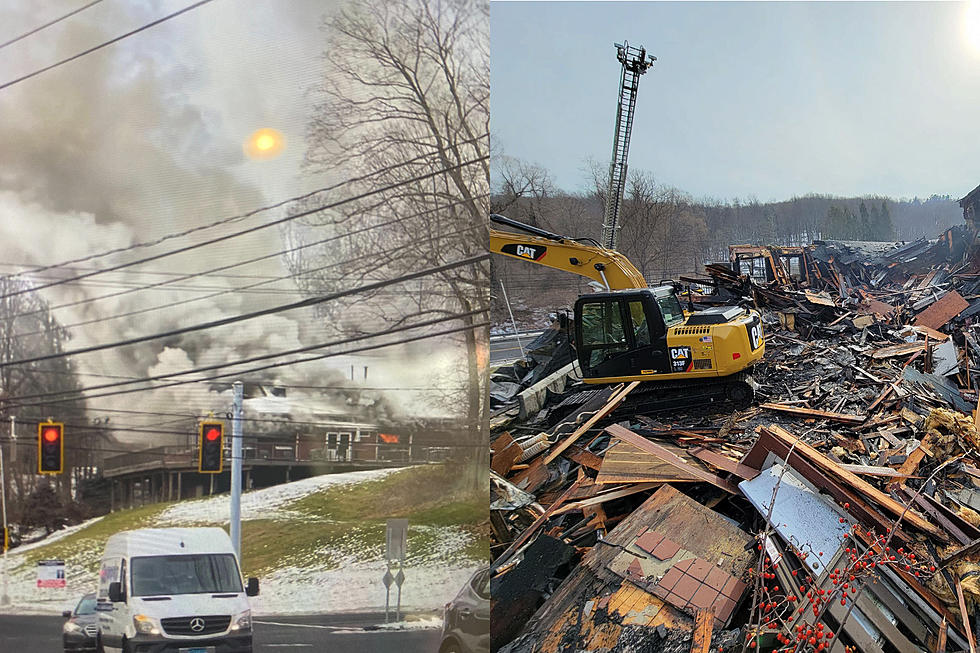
<point x="505" y="348"/>
<point x="336" y="633"/>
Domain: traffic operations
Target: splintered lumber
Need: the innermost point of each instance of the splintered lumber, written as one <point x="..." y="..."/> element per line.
<point x="859" y="484"/>
<point x="962" y="552"/>
<point x="965" y="616"/>
<point x="724" y="463"/>
<point x="893" y="351"/>
<point x="611" y="405"/>
<point x="704" y="621"/>
<point x="811" y="412"/>
<point x="669" y="457"/>
<point x="533" y="528"/>
<point x="617" y="493"/>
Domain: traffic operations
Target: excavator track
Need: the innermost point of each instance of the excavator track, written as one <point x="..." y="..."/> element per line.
<point x="699" y="396"/>
<point x="734" y="392"/>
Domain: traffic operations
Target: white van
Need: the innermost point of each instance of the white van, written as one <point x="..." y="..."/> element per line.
<point x="174" y="590"/>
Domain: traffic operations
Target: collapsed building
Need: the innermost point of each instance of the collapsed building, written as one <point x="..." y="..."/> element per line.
<point x="841" y="511"/>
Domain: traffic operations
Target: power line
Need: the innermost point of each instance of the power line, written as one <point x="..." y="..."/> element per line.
<point x="48" y="24"/>
<point x="243" y="232"/>
<point x="248" y="214"/>
<point x="104" y="44"/>
<point x="312" y="301"/>
<point x="357" y="350"/>
<point x="253" y="359"/>
<point x="226" y="267"/>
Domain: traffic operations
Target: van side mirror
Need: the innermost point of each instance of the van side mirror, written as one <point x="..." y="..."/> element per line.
<point x="115" y="593"/>
<point x="252" y="587"/>
<point x="66" y="614"/>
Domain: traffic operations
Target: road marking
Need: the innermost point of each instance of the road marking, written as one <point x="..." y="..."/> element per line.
<point x="277" y="623"/>
<point x="284" y="645"/>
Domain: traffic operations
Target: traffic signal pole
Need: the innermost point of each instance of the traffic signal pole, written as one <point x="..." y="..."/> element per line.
<point x="4" y="596"/>
<point x="236" y="469"/>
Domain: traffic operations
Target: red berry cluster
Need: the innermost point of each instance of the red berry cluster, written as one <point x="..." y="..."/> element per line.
<point x="774" y="608"/>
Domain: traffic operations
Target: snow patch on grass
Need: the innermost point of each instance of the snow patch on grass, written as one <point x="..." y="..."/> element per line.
<point x="266" y="503"/>
<point x="356" y="588"/>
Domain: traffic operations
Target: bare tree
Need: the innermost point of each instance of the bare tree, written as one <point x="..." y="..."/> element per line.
<point x="405" y="108"/>
<point x="27" y="329"/>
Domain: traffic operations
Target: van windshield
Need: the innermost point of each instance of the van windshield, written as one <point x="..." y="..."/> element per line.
<point x="185" y="574"/>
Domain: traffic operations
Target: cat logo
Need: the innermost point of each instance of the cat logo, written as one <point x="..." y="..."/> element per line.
<point x="530" y="252"/>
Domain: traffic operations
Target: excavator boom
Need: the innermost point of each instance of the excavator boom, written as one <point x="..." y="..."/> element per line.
<point x="610" y="268"/>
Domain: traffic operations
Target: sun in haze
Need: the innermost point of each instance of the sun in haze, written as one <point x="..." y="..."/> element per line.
<point x="971" y="25"/>
<point x="265" y="143"/>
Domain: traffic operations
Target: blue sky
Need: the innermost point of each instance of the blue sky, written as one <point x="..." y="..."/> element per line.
<point x="763" y="99"/>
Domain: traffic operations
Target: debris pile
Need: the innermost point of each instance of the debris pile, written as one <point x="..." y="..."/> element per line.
<point x="840" y="512"/>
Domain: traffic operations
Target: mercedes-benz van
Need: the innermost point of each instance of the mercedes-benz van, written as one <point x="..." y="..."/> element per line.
<point x="173" y="590"/>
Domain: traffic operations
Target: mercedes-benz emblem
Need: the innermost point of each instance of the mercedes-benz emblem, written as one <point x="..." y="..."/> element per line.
<point x="197" y="624"/>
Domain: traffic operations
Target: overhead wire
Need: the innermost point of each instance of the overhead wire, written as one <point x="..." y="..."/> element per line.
<point x="237" y="234"/>
<point x="479" y="325"/>
<point x="104" y="44"/>
<point x="305" y="303"/>
<point x="229" y="266"/>
<point x="243" y="216"/>
<point x="255" y="359"/>
<point x="48" y="24"/>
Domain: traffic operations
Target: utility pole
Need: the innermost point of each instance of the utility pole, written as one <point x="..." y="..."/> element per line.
<point x="236" y="469"/>
<point x="635" y="62"/>
<point x="4" y="596"/>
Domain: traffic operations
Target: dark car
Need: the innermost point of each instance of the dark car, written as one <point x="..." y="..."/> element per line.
<point x="466" y="624"/>
<point x="78" y="633"/>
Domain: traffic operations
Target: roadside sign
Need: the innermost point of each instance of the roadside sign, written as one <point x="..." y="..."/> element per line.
<point x="396" y="539"/>
<point x="51" y="573"/>
<point x="400" y="578"/>
<point x="387" y="578"/>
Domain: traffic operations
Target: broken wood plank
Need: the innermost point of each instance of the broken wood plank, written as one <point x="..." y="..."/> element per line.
<point x="669" y="457"/>
<point x="584" y="457"/>
<point x="811" y="412"/>
<point x="962" y="552"/>
<point x="830" y="467"/>
<point x="871" y="470"/>
<point x="942" y="311"/>
<point x="703" y="624"/>
<point x="625" y="463"/>
<point x="504" y="453"/>
<point x="611" y="405"/>
<point x="965" y="616"/>
<point x="903" y="349"/>
<point x="607" y="496"/>
<point x="724" y="463"/>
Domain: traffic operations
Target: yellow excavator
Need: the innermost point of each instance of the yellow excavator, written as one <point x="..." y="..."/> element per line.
<point x="633" y="332"/>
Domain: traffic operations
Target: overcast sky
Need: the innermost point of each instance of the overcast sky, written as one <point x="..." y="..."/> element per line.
<point x="769" y="99"/>
<point x="145" y="138"/>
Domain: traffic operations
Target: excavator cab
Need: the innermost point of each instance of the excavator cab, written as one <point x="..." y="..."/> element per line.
<point x="624" y="333"/>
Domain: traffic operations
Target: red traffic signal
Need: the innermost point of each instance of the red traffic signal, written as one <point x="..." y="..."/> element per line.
<point x="210" y="451"/>
<point x="50" y="448"/>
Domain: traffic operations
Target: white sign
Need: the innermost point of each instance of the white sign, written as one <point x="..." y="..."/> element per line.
<point x="51" y="573"/>
<point x="396" y="539"/>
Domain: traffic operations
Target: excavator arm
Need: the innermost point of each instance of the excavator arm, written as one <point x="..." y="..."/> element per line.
<point x="610" y="268"/>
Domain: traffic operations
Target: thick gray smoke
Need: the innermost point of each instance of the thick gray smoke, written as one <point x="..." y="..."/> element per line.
<point x="144" y="139"/>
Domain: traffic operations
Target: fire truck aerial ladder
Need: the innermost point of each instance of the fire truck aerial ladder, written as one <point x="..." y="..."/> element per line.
<point x="635" y="62"/>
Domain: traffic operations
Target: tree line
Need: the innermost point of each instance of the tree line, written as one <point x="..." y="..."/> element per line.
<point x="666" y="232"/>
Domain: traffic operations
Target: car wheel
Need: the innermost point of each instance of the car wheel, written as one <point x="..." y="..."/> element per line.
<point x="451" y="646"/>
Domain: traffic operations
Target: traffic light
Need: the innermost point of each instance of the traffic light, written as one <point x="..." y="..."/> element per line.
<point x="212" y="444"/>
<point x="50" y="448"/>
